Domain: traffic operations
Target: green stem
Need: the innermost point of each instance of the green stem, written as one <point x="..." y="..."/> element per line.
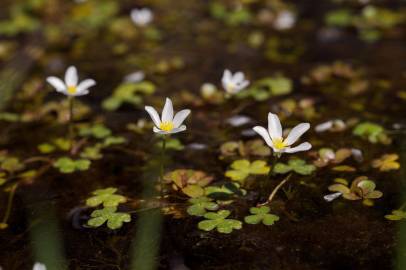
<point x="162" y="165"/>
<point x="71" y="131"/>
<point x="3" y="224"/>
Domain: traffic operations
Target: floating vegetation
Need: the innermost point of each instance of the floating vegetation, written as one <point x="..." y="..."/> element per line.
<point x="220" y="222"/>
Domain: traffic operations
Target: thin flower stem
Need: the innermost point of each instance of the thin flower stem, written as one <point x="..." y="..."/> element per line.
<point x="275" y="190"/>
<point x="71" y="131"/>
<point x="3" y="223"/>
<point x="161" y="180"/>
<point x="274" y="161"/>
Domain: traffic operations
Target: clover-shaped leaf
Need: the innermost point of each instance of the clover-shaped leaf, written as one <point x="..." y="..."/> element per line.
<point x="106" y="196"/>
<point x="299" y="166"/>
<point x="261" y="214"/>
<point x="114" y="219"/>
<point x="113" y="140"/>
<point x="171" y="144"/>
<point x="396" y="215"/>
<point x="92" y="152"/>
<point x="361" y="189"/>
<point x="67" y="165"/>
<point x="242" y="168"/>
<point x="386" y="162"/>
<point x="11" y="164"/>
<point x="98" y="131"/>
<point x="131" y="93"/>
<point x="249" y="148"/>
<point x="200" y="206"/>
<point x="220" y="222"/>
<point x="372" y="132"/>
<point x="190" y="182"/>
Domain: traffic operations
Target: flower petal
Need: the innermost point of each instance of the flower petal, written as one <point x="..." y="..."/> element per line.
<point x="80" y="93"/>
<point x="274" y="126"/>
<point x="226" y="76"/>
<point x="71" y="76"/>
<point x="301" y="147"/>
<point x="154" y="115"/>
<point x="179" y="129"/>
<point x="265" y="135"/>
<point x="86" y="84"/>
<point x="180" y="117"/>
<point x="167" y="113"/>
<point x="56" y="83"/>
<point x="296" y="132"/>
<point x="159" y="131"/>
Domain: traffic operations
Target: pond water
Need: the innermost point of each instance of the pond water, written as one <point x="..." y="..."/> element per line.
<point x="87" y="184"/>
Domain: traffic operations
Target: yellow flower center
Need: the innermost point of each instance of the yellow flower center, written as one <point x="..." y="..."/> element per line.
<point x="279" y="143"/>
<point x="230" y="87"/>
<point x="166" y="126"/>
<point x="72" y="90"/>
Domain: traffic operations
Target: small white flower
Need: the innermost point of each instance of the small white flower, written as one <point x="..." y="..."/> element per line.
<point x="284" y="20"/>
<point x="135" y="77"/>
<point x="39" y="266"/>
<point x="168" y="124"/>
<point x="71" y="87"/>
<point x="234" y="83"/>
<point x="142" y="17"/>
<point x="274" y="138"/>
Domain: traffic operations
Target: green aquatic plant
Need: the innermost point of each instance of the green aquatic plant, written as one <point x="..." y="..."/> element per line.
<point x="60" y="144"/>
<point x="387" y="162"/>
<point x="268" y="87"/>
<point x="326" y="156"/>
<point x="92" y="152"/>
<point x="128" y="92"/>
<point x="11" y="164"/>
<point x="190" y="182"/>
<point x="374" y="133"/>
<point x="398" y="214"/>
<point x="68" y="165"/>
<point x="110" y="215"/>
<point x="261" y="214"/>
<point x="298" y="166"/>
<point x="220" y="222"/>
<point x="232" y="17"/>
<point x="98" y="131"/>
<point x="107" y="197"/>
<point x="201" y="205"/>
<point x="361" y="189"/>
<point x="241" y="169"/>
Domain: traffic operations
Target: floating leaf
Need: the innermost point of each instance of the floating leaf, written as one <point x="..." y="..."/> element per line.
<point x="11" y="164"/>
<point x="106" y="196"/>
<point x="224" y="192"/>
<point x="92" y="152"/>
<point x="114" y="219"/>
<point x="98" y="131"/>
<point x="387" y="162"/>
<point x="220" y="222"/>
<point x="191" y="182"/>
<point x="68" y="165"/>
<point x="361" y="188"/>
<point x="171" y="144"/>
<point x="249" y="148"/>
<point x="396" y="215"/>
<point x="200" y="206"/>
<point x="299" y="166"/>
<point x="261" y="214"/>
<point x="241" y="169"/>
<point x="372" y="132"/>
<point x="344" y="168"/>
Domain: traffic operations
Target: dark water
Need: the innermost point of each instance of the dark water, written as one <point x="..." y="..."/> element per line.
<point x="48" y="213"/>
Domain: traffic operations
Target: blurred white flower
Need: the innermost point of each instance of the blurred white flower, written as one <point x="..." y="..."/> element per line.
<point x="135" y="77"/>
<point x="332" y="125"/>
<point x="71" y="87"/>
<point x="274" y="138"/>
<point x="39" y="266"/>
<point x="142" y="17"/>
<point x="234" y="83"/>
<point x="284" y="20"/>
<point x="168" y="124"/>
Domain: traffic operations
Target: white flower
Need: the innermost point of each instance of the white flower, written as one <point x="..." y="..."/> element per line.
<point x="168" y="124"/>
<point x="135" y="77"/>
<point x="71" y="87"/>
<point x="142" y="17"/>
<point x="273" y="136"/>
<point x="284" y="20"/>
<point x="234" y="83"/>
<point x="39" y="266"/>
